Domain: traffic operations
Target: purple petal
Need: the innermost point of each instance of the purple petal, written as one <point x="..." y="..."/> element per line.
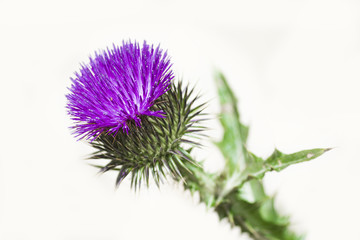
<point x="118" y="85"/>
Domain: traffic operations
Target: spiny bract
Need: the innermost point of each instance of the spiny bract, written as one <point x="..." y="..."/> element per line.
<point x="155" y="148"/>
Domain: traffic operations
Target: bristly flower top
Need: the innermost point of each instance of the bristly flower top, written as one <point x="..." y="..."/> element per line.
<point x="127" y="105"/>
<point x="118" y="86"/>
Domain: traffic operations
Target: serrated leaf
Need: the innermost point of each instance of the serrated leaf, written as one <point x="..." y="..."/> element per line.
<point x="278" y="160"/>
<point x="235" y="135"/>
<point x="241" y="197"/>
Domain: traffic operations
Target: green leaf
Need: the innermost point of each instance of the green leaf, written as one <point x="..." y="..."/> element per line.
<point x="278" y="160"/>
<point x="235" y="135"/>
<point x="240" y="195"/>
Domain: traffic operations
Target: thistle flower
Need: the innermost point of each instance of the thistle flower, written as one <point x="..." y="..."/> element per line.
<point x="117" y="87"/>
<point x="132" y="89"/>
<point x="126" y="103"/>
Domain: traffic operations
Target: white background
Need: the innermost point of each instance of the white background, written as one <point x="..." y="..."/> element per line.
<point x="294" y="66"/>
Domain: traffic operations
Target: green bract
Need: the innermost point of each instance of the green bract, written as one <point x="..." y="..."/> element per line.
<point x="157" y="147"/>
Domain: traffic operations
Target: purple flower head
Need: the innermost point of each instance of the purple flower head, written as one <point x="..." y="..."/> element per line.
<point x="117" y="86"/>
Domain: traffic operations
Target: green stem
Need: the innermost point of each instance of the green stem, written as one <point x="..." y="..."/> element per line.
<point x="240" y="213"/>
